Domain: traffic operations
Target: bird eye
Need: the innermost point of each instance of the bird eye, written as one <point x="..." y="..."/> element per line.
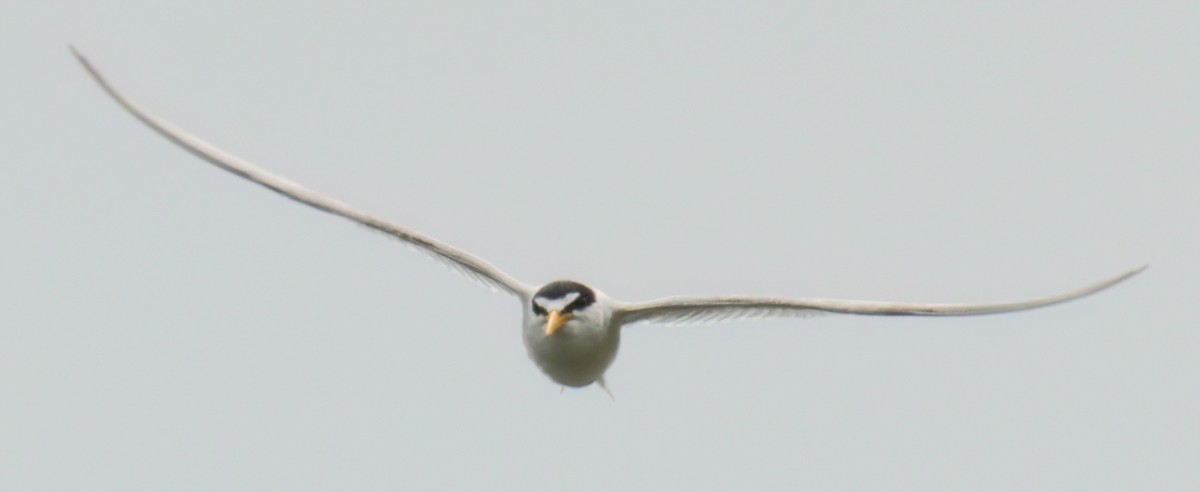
<point x="579" y="303"/>
<point x="538" y="310"/>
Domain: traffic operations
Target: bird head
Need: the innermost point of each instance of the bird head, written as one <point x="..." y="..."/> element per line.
<point x="559" y="302"/>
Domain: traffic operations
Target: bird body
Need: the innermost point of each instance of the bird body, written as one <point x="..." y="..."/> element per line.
<point x="578" y="353"/>
<point x="576" y="358"/>
<point x="570" y="330"/>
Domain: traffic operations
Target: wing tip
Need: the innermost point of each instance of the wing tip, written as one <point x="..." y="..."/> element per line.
<point x="78" y="55"/>
<point x="1133" y="272"/>
<point x="1113" y="281"/>
<point x="87" y="65"/>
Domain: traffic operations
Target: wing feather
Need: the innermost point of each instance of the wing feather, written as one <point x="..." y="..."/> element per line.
<point x="473" y="267"/>
<point x="679" y="310"/>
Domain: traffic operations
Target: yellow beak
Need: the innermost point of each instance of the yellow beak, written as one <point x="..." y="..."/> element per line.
<point x="555" y="321"/>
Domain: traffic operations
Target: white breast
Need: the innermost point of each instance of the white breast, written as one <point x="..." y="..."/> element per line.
<point x="579" y="353"/>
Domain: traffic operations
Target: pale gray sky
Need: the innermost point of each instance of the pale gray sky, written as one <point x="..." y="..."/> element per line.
<point x="169" y="327"/>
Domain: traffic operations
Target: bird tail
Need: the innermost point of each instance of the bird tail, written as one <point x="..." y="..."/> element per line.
<point x="604" y="386"/>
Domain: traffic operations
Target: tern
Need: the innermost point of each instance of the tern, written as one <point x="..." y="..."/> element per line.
<point x="570" y="330"/>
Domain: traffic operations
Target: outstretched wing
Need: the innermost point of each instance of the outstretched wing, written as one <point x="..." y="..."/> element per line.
<point x="457" y="259"/>
<point x="702" y="309"/>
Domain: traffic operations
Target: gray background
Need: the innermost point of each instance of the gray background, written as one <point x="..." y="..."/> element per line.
<point x="166" y="326"/>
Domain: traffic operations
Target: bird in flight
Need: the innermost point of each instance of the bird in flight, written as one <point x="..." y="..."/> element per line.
<point x="570" y="330"/>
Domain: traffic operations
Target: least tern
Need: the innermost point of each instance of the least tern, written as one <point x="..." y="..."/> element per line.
<point x="570" y="330"/>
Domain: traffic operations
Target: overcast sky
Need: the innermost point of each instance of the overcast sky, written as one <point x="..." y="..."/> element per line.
<point x="167" y="326"/>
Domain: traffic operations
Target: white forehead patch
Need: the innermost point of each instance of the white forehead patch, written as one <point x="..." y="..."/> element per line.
<point x="556" y="304"/>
